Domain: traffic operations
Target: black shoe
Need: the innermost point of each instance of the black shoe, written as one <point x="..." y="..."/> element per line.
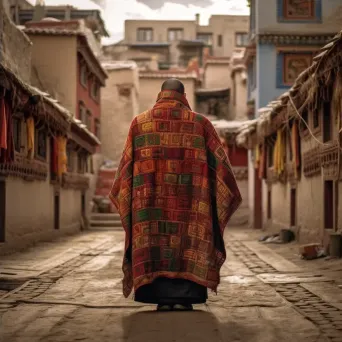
<point x="181" y="307"/>
<point x="164" y="307"/>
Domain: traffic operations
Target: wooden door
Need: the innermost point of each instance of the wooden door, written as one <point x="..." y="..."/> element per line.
<point x="57" y="211"/>
<point x="293" y="207"/>
<point x="2" y="210"/>
<point x="257" y="201"/>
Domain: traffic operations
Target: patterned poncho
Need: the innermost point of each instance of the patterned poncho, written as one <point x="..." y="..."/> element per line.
<point x="175" y="192"/>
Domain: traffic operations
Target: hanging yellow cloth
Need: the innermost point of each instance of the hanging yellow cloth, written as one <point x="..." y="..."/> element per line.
<point x="257" y="157"/>
<point x="30" y="136"/>
<point x="62" y="155"/>
<point x="279" y="153"/>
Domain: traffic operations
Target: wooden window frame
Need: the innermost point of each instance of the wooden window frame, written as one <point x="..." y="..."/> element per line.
<point x="220" y="40"/>
<point x="177" y="30"/>
<point x="208" y="41"/>
<point x="237" y="34"/>
<point x="95" y="90"/>
<point x="97" y="127"/>
<point x="270" y="156"/>
<point x="286" y="56"/>
<point x="84" y="76"/>
<point x="36" y="145"/>
<point x="334" y="204"/>
<point x="70" y="158"/>
<point x="82" y="111"/>
<point x="324" y="116"/>
<point x="316" y="114"/>
<point x="145" y="29"/>
<point x="89" y="118"/>
<point x="17" y="135"/>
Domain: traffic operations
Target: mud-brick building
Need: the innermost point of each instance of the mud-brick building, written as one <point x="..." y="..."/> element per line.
<point x="65" y="65"/>
<point x="297" y="145"/>
<point x="40" y="197"/>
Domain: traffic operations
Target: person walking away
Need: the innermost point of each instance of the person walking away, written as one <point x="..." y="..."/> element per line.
<point x="175" y="192"/>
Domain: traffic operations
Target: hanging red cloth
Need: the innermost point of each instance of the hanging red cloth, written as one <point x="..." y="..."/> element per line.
<point x="7" y="138"/>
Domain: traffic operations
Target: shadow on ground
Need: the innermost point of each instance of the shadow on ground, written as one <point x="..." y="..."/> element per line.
<point x="181" y="326"/>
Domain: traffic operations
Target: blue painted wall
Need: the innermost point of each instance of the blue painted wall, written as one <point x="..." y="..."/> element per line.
<point x="267" y="75"/>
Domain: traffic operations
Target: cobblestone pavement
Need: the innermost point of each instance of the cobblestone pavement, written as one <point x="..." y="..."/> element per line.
<point x="70" y="290"/>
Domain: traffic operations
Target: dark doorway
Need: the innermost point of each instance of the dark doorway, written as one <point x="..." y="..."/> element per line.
<point x="329" y="204"/>
<point x="257" y="201"/>
<point x="57" y="210"/>
<point x="83" y="204"/>
<point x="269" y="204"/>
<point x="293" y="207"/>
<point x="327" y="122"/>
<point x="2" y="210"/>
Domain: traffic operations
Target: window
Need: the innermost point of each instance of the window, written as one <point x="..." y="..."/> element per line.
<point x="270" y="149"/>
<point x="299" y="9"/>
<point x="88" y="120"/>
<point x="17" y="134"/>
<point x="175" y="34"/>
<point x="293" y="207"/>
<point x="326" y="121"/>
<point x="84" y="75"/>
<point x="241" y="39"/>
<point x="145" y="35"/>
<point x="219" y="40"/>
<point x="82" y="113"/>
<point x="290" y="65"/>
<point x="315" y="118"/>
<point x="70" y="158"/>
<point x="81" y="163"/>
<point x="95" y="90"/>
<point x="305" y="120"/>
<point x="329" y="207"/>
<point x="41" y="143"/>
<point x="206" y="38"/>
<point x="97" y="128"/>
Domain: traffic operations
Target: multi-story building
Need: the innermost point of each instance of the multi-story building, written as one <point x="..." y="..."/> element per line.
<point x="297" y="140"/>
<point x="21" y="12"/>
<point x="41" y="196"/>
<point x="174" y="43"/>
<point x="284" y="37"/>
<point x="68" y="68"/>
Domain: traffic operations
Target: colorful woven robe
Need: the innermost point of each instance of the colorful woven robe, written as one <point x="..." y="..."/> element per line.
<point x="175" y="192"/>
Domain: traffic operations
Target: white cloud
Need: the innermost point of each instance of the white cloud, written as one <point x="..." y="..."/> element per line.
<point x="116" y="12"/>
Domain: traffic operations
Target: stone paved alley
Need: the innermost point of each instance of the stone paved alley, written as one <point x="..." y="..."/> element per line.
<point x="73" y="293"/>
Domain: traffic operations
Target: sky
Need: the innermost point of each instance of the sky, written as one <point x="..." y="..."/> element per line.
<point x="115" y="12"/>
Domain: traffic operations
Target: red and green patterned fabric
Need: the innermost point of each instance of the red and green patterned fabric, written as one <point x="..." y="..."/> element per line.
<point x="175" y="192"/>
